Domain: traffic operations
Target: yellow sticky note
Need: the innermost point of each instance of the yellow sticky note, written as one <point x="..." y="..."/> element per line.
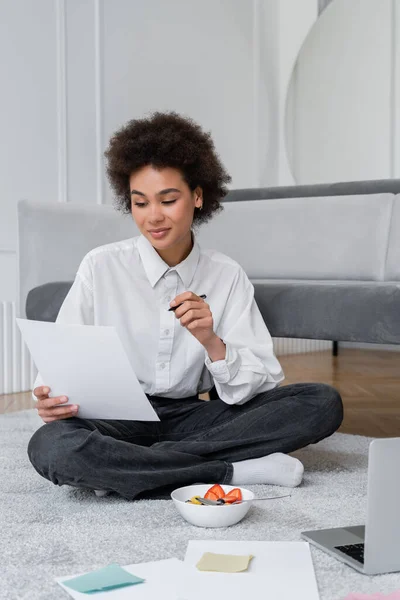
<point x="223" y="563"/>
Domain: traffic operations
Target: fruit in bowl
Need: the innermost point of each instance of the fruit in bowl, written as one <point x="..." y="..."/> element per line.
<point x="212" y="516"/>
<point x="217" y="495"/>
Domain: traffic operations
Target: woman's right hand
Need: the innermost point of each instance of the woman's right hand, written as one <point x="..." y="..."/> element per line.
<point x="49" y="409"/>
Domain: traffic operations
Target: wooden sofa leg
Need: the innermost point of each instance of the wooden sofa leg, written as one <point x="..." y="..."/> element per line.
<point x="335" y="348"/>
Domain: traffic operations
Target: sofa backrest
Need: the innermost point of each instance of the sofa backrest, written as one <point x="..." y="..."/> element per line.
<point x="338" y="237"/>
<point x="54" y="238"/>
<point x="318" y="238"/>
<point x="392" y="267"/>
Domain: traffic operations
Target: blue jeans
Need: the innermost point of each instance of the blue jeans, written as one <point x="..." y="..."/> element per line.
<point x="194" y="441"/>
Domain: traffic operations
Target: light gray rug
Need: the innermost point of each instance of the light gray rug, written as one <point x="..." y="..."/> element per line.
<point x="48" y="531"/>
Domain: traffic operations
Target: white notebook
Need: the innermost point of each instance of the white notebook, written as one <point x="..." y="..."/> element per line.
<point x="278" y="570"/>
<point x="89" y="365"/>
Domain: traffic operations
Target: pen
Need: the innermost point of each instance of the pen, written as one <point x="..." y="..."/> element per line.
<point x="175" y="307"/>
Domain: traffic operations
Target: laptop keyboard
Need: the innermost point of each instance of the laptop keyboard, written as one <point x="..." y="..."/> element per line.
<point x="355" y="551"/>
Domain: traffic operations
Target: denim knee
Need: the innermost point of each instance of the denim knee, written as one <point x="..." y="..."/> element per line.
<point x="44" y="446"/>
<point x="332" y="405"/>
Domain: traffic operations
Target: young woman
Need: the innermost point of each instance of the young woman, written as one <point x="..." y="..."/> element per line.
<point x="165" y="173"/>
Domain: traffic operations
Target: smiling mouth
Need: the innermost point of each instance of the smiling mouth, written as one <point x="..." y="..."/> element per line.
<point x="159" y="235"/>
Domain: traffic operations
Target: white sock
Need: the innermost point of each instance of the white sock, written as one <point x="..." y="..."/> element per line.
<point x="101" y="493"/>
<point x="275" y="469"/>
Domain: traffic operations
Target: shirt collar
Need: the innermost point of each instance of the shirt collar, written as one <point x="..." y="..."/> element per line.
<point x="155" y="267"/>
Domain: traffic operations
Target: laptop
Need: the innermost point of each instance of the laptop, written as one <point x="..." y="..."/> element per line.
<point x="374" y="548"/>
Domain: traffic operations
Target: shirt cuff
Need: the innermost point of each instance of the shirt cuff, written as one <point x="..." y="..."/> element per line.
<point x="223" y="370"/>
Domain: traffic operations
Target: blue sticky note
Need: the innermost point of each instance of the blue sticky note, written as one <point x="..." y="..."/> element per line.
<point x="102" y="580"/>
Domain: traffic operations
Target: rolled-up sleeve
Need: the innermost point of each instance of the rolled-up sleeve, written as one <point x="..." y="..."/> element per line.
<point x="250" y="365"/>
<point x="77" y="308"/>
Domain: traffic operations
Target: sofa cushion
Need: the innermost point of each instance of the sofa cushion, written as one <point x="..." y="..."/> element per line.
<point x="331" y="310"/>
<point x="336" y="237"/>
<point x="54" y="237"/>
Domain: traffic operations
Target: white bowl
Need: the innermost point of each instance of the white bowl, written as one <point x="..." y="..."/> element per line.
<point x="210" y="516"/>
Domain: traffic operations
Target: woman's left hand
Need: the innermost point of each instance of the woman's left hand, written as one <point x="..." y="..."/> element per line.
<point x="196" y="316"/>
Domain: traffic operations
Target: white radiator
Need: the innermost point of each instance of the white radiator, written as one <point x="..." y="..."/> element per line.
<point x="18" y="371"/>
<point x="284" y="346"/>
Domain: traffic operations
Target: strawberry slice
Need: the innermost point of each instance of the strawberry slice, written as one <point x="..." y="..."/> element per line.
<point x="233" y="496"/>
<point x="215" y="492"/>
<point x="210" y="496"/>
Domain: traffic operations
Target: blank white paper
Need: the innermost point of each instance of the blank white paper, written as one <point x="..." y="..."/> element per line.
<point x="89" y="365"/>
<point x="279" y="570"/>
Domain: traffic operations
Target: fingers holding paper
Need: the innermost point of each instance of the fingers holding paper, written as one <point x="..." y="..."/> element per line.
<point x="41" y="392"/>
<point x="50" y="409"/>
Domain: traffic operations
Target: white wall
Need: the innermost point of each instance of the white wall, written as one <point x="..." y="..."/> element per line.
<point x="28" y="119"/>
<point x="193" y="57"/>
<point x="78" y="69"/>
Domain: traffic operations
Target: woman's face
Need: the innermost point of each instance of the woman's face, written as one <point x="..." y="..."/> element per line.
<point x="162" y="201"/>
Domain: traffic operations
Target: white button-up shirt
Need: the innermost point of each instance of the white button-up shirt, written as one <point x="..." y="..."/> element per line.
<point x="127" y="285"/>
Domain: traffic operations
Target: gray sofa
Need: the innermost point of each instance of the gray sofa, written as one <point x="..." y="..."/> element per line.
<point x="324" y="259"/>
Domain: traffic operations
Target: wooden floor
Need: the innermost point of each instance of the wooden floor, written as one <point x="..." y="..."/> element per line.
<point x="368" y="380"/>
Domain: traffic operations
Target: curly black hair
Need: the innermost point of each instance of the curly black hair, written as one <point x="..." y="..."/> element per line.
<point x="167" y="140"/>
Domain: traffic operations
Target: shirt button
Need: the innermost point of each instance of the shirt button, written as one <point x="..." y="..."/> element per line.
<point x="162" y="366"/>
<point x="166" y="331"/>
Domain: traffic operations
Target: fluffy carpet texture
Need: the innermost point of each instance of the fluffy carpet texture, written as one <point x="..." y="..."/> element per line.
<point x="49" y="531"/>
